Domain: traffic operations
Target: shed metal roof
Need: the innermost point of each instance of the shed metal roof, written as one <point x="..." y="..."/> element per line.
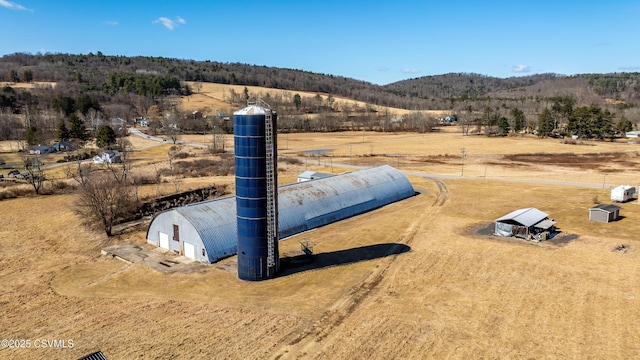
<point x="526" y="217"/>
<point x="606" y="207"/>
<point x="313" y="175"/>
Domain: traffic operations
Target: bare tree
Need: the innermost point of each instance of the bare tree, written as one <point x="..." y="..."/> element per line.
<point x="217" y="141"/>
<point x="34" y="168"/>
<point x="103" y="201"/>
<point x="120" y="169"/>
<point x="171" y="125"/>
<point x="79" y="171"/>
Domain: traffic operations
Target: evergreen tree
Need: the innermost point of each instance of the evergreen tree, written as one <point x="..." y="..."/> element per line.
<point x="518" y="119"/>
<point x="33" y="136"/>
<point x="62" y="132"/>
<point x="624" y="125"/>
<point x="503" y="124"/>
<point x="546" y="123"/>
<point x="297" y="101"/>
<point x="591" y="121"/>
<point x="84" y="103"/>
<point x="13" y="76"/>
<point x="78" y="130"/>
<point x="27" y="76"/>
<point x="105" y="136"/>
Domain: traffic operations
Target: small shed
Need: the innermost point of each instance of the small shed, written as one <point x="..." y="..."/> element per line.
<point x="604" y="213"/>
<point x="118" y="122"/>
<point x="528" y="223"/>
<point x="312" y="175"/>
<point x="622" y="193"/>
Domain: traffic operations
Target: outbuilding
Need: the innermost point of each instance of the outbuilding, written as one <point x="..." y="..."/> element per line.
<point x="312" y="175"/>
<point x="207" y="231"/>
<point x="604" y="213"/>
<point x="527" y="223"/>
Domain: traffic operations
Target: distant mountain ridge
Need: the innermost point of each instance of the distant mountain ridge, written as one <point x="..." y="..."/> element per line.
<point x="91" y="72"/>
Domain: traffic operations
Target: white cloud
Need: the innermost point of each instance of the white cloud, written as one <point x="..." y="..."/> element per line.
<point x="168" y="23"/>
<point x="629" y="68"/>
<point x="13" y="6"/>
<point x="410" y="71"/>
<point x="521" y="68"/>
<point x="383" y="68"/>
<point x="112" y="23"/>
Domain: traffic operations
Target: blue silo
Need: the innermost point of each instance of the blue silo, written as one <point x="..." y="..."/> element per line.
<point x="255" y="145"/>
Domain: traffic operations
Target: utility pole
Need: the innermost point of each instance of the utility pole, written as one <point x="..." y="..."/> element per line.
<point x="464" y="154"/>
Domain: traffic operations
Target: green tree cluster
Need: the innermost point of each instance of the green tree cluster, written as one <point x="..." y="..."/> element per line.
<point x="591" y="122"/>
<point x="144" y="85"/>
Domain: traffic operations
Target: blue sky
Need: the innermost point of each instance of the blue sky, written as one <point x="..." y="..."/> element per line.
<point x="375" y="41"/>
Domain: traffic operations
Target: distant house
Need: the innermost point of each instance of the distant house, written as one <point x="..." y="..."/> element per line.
<point x="528" y="223"/>
<point x="39" y="150"/>
<point x="61" y="146"/>
<point x="622" y="193"/>
<point x="604" y="213"/>
<point x="312" y="175"/>
<point x="108" y="157"/>
<point x="142" y="122"/>
<point x="118" y="123"/>
<point x="198" y="115"/>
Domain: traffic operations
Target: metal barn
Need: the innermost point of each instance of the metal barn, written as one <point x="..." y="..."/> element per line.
<point x="525" y="223"/>
<point x="207" y="231"/>
<point x="604" y="213"/>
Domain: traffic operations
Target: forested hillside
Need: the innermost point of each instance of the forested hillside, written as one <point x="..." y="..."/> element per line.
<point x="95" y="86"/>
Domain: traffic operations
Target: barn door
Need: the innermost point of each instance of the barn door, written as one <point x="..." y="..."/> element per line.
<point x="164" y="240"/>
<point x="189" y="250"/>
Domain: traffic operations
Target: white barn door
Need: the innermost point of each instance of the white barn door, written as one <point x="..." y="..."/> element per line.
<point x="164" y="240"/>
<point x="189" y="250"/>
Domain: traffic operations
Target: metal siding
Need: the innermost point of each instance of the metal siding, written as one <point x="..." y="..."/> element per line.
<point x="598" y="215"/>
<point x="323" y="200"/>
<point x="251" y="191"/>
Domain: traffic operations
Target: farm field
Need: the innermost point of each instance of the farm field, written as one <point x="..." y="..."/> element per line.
<point x="456" y="292"/>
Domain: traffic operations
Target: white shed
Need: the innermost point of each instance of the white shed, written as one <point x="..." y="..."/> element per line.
<point x="312" y="175"/>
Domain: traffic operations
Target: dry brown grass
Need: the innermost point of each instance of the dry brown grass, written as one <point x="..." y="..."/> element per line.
<point x="454" y="295"/>
<point x="213" y="98"/>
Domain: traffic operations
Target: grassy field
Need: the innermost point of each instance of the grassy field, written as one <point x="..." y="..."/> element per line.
<point x="457" y="293"/>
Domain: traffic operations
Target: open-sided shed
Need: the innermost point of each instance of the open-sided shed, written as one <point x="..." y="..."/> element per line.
<point x="604" y="213"/>
<point x="207" y="231"/>
<point x="525" y="223"/>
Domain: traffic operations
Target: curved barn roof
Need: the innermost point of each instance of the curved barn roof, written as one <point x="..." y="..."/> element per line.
<point x="301" y="207"/>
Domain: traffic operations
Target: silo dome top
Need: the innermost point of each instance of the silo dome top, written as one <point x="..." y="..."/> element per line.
<point x="252" y="110"/>
<point x="258" y="107"/>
